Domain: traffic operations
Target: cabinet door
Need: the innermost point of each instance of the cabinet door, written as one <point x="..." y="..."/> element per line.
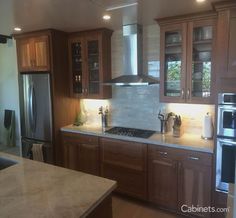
<point x="77" y="66"/>
<point x="93" y="65"/>
<point x="173" y="62"/>
<point x="41" y="53"/>
<point x="194" y="186"/>
<point x="163" y="180"/>
<point x="24" y="52"/>
<point x="200" y="61"/>
<point x="88" y="160"/>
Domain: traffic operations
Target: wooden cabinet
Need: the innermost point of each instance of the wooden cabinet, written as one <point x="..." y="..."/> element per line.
<point x="195" y="182"/>
<point x="90" y="63"/>
<point x="125" y="162"/>
<point x="81" y="153"/>
<point x="179" y="177"/>
<point x="33" y="53"/>
<point x="162" y="178"/>
<point x="226" y="46"/>
<point x="187" y="58"/>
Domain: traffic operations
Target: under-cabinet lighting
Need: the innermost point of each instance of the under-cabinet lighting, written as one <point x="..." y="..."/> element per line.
<point x="200" y="1"/>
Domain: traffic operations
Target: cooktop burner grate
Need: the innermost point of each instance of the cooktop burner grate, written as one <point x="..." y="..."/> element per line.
<point x="140" y="133"/>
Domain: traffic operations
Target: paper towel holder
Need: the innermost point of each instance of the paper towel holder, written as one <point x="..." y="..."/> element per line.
<point x="212" y="129"/>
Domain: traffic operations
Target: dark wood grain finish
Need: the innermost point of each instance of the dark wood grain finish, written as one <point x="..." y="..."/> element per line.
<point x="125" y="162"/>
<point x="81" y="153"/>
<point x="103" y="37"/>
<point x="162" y="178"/>
<point x="185" y="25"/>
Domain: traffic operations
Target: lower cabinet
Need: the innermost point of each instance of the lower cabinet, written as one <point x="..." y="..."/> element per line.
<point x="174" y="179"/>
<point x="179" y="179"/>
<point x="81" y="153"/>
<point x="125" y="162"/>
<point x="162" y="179"/>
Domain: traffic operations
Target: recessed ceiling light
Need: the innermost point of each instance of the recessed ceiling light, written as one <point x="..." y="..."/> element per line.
<point x="17" y="29"/>
<point x="106" y="17"/>
<point x="200" y="1"/>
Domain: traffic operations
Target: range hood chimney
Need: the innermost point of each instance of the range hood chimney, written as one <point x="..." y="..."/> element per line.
<point x="132" y="74"/>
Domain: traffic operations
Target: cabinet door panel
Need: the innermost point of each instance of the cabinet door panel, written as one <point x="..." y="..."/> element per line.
<point x="173" y="63"/>
<point x="200" y="61"/>
<point x="195" y="186"/>
<point x="88" y="160"/>
<point x="41" y="54"/>
<point x="71" y="151"/>
<point x="24" y="55"/>
<point x="163" y="180"/>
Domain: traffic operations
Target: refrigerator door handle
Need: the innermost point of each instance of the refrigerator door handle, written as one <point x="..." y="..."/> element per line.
<point x="34" y="109"/>
<point x="31" y="106"/>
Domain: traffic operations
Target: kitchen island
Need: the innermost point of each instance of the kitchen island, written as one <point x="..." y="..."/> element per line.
<point x="34" y="189"/>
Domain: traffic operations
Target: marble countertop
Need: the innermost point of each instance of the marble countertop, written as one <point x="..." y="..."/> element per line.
<point x="186" y="141"/>
<point x="35" y="189"/>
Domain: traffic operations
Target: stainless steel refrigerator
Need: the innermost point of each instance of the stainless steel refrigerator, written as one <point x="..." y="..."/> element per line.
<point x="36" y="113"/>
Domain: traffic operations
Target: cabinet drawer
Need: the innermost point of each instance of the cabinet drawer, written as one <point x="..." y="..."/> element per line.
<point x="196" y="157"/>
<point x="156" y="151"/>
<point x="82" y="139"/>
<point x="126" y="154"/>
<point x="130" y="182"/>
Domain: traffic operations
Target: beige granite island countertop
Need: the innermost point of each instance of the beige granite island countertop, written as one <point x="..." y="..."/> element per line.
<point x="33" y="189"/>
<point x="186" y="141"/>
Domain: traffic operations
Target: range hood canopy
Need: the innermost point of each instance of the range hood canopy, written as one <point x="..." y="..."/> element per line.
<point x="132" y="60"/>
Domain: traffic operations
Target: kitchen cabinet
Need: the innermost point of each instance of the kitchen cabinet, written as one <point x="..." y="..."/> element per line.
<point x="125" y="162"/>
<point x="33" y="53"/>
<point x="90" y="63"/>
<point x="187" y="58"/>
<point x="179" y="177"/>
<point x="45" y="51"/>
<point x="226" y="46"/>
<point x="81" y="153"/>
<point x="162" y="178"/>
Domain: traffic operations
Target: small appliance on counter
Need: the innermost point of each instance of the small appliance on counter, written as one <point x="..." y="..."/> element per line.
<point x="207" y="127"/>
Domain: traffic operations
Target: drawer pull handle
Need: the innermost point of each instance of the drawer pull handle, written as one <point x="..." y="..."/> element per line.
<point x="193" y="158"/>
<point x="163" y="153"/>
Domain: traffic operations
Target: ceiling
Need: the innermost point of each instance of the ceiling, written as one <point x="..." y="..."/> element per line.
<point x="74" y="15"/>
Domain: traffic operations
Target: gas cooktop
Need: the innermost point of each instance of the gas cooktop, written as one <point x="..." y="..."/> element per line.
<point x="140" y="133"/>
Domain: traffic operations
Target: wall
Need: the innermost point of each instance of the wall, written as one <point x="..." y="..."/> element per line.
<point x="139" y="106"/>
<point x="9" y="96"/>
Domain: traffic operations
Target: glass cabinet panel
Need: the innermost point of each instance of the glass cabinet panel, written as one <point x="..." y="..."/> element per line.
<point x="93" y="66"/>
<point x="173" y="61"/>
<point x="77" y="67"/>
<point x="201" y="61"/>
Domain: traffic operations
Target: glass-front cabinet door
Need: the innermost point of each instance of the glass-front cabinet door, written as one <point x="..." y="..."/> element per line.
<point x="93" y="65"/>
<point x="199" y="61"/>
<point x="173" y="63"/>
<point x="77" y="66"/>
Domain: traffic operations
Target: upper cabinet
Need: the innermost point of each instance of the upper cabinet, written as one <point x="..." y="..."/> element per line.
<point x="187" y="58"/>
<point x="90" y="63"/>
<point x="226" y="46"/>
<point x="33" y="53"/>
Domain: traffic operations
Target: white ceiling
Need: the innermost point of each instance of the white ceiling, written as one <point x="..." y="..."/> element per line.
<point x="73" y="15"/>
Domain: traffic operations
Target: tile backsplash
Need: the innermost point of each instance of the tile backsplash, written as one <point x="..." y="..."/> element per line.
<point x="138" y="107"/>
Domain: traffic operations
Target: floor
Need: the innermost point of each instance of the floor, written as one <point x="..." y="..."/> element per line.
<point x="128" y="208"/>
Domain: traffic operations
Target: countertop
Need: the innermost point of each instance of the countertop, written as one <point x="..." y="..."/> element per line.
<point x="186" y="141"/>
<point x="35" y="189"/>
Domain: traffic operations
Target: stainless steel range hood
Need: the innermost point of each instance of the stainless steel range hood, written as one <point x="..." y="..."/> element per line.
<point x="132" y="74"/>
